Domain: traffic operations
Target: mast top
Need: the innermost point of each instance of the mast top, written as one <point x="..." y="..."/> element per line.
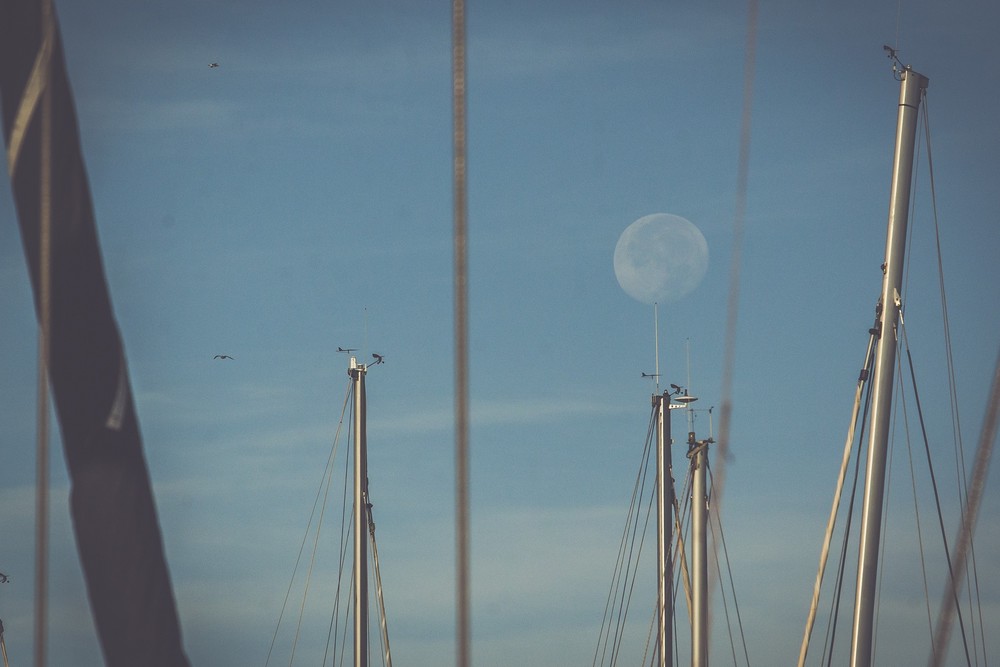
<point x="354" y="367"/>
<point x="899" y="70"/>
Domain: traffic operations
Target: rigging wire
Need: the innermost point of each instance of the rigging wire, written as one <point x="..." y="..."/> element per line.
<point x="383" y="623"/>
<point x="899" y="372"/>
<point x="627" y="600"/>
<point x="984" y="451"/>
<point x="626" y="603"/>
<point x="349" y="615"/>
<point x="610" y="605"/>
<point x="863" y="376"/>
<point x="346" y="526"/>
<point x="831" y="632"/>
<point x="887" y="508"/>
<point x="649" y="638"/>
<point x="681" y="523"/>
<point x="312" y="560"/>
<point x="722" y="591"/>
<point x="305" y="536"/>
<point x="916" y="510"/>
<point x="934" y="486"/>
<point x="461" y="297"/>
<point x="732" y="581"/>
<point x="952" y="384"/>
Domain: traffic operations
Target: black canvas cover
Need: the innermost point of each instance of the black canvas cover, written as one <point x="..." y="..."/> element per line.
<point x="111" y="502"/>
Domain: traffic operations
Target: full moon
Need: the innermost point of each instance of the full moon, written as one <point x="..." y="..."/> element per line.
<point x="660" y="258"/>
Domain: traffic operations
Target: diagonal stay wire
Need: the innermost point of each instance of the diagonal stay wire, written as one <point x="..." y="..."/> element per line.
<point x="312" y="562"/>
<point x="722" y="588"/>
<point x="681" y="524"/>
<point x="934" y="487"/>
<point x="952" y="391"/>
<point x="649" y="637"/>
<point x="837" y="495"/>
<point x="638" y="555"/>
<point x="984" y="451"/>
<point x="916" y="510"/>
<point x="346" y="524"/>
<point x="629" y="575"/>
<point x="617" y="573"/>
<point x="729" y="570"/>
<point x="831" y="632"/>
<point x="305" y="535"/>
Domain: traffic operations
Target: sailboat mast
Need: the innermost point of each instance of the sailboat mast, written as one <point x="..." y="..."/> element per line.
<point x="911" y="89"/>
<point x="357" y="372"/>
<point x="664" y="529"/>
<point x="698" y="452"/>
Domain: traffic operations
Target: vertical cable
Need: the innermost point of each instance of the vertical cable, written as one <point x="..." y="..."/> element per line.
<point x="743" y="168"/>
<point x="461" y="337"/>
<point x="44" y="340"/>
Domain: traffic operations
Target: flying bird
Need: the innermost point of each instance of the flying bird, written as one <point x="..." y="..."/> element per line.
<point x="379" y="359"/>
<point x="346" y="349"/>
<point x="222" y="356"/>
<point x="213" y="65"/>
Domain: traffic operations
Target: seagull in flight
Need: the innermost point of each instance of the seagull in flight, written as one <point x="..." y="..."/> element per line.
<point x="346" y="349"/>
<point x="213" y="65"/>
<point x="222" y="356"/>
<point x="379" y="359"/>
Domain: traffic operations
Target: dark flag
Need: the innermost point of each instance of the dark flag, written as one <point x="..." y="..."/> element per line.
<point x="111" y="502"/>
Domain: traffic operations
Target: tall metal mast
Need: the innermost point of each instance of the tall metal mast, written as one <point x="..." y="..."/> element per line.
<point x="664" y="529"/>
<point x="357" y="372"/>
<point x="698" y="453"/>
<point x="911" y="88"/>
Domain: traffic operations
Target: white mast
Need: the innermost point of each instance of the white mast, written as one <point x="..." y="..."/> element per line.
<point x="664" y="510"/>
<point x="911" y="88"/>
<point x="698" y="453"/>
<point x="357" y="372"/>
<point x="664" y="530"/>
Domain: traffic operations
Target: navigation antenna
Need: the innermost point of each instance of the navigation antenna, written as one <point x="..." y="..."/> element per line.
<point x="656" y="345"/>
<point x="690" y="412"/>
<point x="897" y="65"/>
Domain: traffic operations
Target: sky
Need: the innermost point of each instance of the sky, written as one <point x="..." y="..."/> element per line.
<point x="298" y="198"/>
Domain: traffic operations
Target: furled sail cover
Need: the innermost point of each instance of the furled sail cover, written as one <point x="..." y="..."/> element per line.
<point x="114" y="515"/>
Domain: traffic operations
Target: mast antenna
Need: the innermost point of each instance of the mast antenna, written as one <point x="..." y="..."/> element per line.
<point x="897" y="65"/>
<point x="690" y="411"/>
<point x="656" y="344"/>
<point x="364" y="336"/>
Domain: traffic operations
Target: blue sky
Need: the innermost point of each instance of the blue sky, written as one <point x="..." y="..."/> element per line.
<point x="298" y="197"/>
